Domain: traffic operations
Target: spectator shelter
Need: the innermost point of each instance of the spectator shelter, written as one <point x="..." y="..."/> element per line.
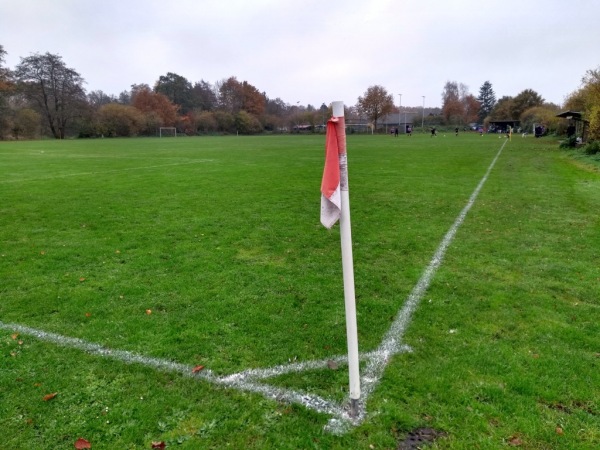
<point x="578" y="126"/>
<point x="501" y="126"/>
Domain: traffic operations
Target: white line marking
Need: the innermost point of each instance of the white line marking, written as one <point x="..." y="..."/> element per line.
<point x="376" y="360"/>
<point x="393" y="337"/>
<point x="244" y="381"/>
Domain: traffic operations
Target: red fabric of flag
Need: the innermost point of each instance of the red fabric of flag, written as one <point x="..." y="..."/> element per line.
<point x="331" y="201"/>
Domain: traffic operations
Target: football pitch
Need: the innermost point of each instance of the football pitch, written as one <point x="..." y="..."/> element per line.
<point x="182" y="291"/>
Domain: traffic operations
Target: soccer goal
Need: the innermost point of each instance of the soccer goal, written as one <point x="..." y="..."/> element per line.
<point x="167" y="132"/>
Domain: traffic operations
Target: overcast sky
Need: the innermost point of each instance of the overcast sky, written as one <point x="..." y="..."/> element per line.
<point x="316" y="51"/>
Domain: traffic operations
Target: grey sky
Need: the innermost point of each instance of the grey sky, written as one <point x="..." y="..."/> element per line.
<point x="315" y="51"/>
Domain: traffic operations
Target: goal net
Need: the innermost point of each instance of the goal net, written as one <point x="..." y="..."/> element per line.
<point x="167" y="132"/>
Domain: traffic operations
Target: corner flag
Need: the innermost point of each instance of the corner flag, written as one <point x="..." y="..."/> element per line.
<point x="335" y="205"/>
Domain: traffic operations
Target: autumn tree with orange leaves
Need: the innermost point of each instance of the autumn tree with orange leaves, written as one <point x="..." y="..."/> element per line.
<point x="459" y="107"/>
<point x="157" y="109"/>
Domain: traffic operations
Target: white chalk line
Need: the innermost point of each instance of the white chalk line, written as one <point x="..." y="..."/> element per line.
<point x="376" y="361"/>
<point x="102" y="172"/>
<point x="243" y="381"/>
<point x="374" y="370"/>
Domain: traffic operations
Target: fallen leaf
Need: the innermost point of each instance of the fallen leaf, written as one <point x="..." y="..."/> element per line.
<point x="88" y="314"/>
<point x="559" y="430"/>
<point x="160" y="444"/>
<point x="148" y="311"/>
<point x="14" y="336"/>
<point x="197" y="369"/>
<point x="82" y="443"/>
<point x="20" y="342"/>
<point x="515" y="441"/>
<point x="42" y="252"/>
<point x="82" y="279"/>
<point x="50" y="396"/>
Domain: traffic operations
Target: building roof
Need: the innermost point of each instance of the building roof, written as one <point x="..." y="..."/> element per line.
<point x="392" y="118"/>
<point x="575" y="115"/>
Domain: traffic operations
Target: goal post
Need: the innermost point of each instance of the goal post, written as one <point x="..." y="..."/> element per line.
<point x="167" y="132"/>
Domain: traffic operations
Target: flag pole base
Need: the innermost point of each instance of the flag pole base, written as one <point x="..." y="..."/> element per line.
<point x="354" y="408"/>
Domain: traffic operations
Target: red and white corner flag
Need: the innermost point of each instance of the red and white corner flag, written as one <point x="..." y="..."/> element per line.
<point x="335" y="205"/>
<point x="331" y="199"/>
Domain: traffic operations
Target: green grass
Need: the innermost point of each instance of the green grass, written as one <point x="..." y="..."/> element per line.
<point x="220" y="239"/>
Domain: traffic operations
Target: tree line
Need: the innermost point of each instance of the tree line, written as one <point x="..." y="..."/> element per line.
<point x="43" y="96"/>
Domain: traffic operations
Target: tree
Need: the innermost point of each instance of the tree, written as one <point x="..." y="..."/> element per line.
<point x="253" y="101"/>
<point x="545" y="114"/>
<point x="459" y="107"/>
<point x="98" y="98"/>
<point x="523" y="101"/>
<point x="204" y="122"/>
<point x="177" y="89"/>
<point x="203" y="96"/>
<point x="26" y="123"/>
<point x="157" y="108"/>
<point x="487" y="100"/>
<point x="246" y="123"/>
<point x="230" y="95"/>
<point x="55" y="89"/>
<point x="472" y="107"/>
<point x="587" y="100"/>
<point x="4" y="72"/>
<point x="225" y="121"/>
<point x="5" y="89"/>
<point x="453" y="108"/>
<point x="503" y="109"/>
<point x="235" y="97"/>
<point x="115" y="120"/>
<point x="375" y="103"/>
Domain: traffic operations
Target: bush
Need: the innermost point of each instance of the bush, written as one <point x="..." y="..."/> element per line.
<point x="570" y="142"/>
<point x="592" y="148"/>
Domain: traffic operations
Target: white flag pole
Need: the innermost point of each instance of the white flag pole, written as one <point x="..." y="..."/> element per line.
<point x="348" y="272"/>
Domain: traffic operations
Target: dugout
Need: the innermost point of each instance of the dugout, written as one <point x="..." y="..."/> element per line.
<point x="501" y="126"/>
<point x="578" y="126"/>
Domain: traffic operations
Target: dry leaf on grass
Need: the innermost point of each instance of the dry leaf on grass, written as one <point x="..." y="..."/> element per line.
<point x="82" y="443"/>
<point x="197" y="369"/>
<point x="515" y="441"/>
<point x="50" y="396"/>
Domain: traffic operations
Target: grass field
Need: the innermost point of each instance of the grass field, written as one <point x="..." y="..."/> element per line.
<point x="209" y="252"/>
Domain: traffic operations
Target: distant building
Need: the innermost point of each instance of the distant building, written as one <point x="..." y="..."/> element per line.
<point x="391" y="121"/>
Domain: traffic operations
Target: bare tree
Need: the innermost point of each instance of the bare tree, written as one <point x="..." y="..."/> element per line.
<point x="54" y="89"/>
